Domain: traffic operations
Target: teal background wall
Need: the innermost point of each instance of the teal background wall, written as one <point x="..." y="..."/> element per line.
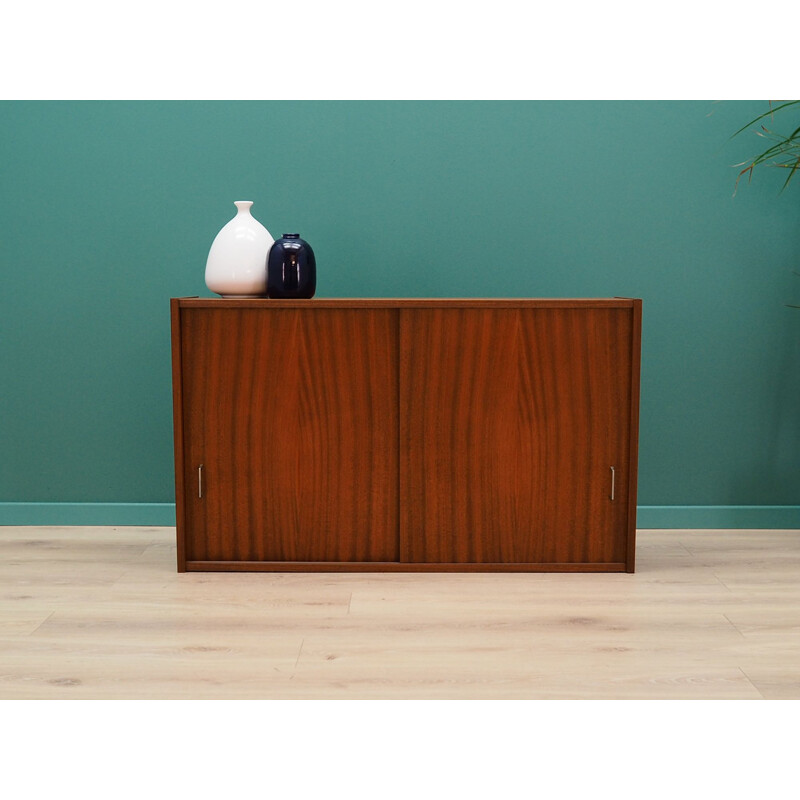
<point x="108" y="209"/>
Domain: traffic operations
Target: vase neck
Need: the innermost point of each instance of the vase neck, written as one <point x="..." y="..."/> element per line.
<point x="243" y="206"/>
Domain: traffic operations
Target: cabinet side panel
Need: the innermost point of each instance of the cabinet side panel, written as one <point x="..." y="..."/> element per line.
<point x="177" y="428"/>
<point x="514" y="428"/>
<point x="633" y="469"/>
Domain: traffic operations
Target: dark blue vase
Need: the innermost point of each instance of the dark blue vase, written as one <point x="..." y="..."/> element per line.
<point x="291" y="268"/>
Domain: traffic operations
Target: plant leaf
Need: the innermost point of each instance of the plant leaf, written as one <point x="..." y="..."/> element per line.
<point x="766" y="114"/>
<point x="794" y="169"/>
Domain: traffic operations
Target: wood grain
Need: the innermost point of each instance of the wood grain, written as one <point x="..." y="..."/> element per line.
<point x="523" y="413"/>
<point x="100" y="613"/>
<point x="293" y="417"/>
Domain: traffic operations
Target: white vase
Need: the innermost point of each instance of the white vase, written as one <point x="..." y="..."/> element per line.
<point x="237" y="261"/>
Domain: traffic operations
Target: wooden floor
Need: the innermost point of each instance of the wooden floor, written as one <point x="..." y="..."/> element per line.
<point x="102" y="613"/>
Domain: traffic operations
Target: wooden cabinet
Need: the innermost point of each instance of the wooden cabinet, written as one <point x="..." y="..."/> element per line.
<point x="406" y="434"/>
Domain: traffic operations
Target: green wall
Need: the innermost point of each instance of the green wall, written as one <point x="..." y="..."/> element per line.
<point x="108" y="209"/>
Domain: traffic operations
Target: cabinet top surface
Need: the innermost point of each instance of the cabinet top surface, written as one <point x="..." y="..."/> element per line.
<point x="366" y="302"/>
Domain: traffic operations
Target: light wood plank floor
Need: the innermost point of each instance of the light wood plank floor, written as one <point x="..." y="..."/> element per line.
<point x="102" y="613"/>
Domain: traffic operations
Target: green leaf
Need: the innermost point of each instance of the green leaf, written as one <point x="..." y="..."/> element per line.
<point x="794" y="169"/>
<point x="766" y="114"/>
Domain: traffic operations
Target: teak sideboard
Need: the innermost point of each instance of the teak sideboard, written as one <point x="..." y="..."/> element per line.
<point x="376" y="435"/>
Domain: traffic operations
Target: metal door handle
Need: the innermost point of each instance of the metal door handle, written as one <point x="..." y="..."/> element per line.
<point x="613" y="481"/>
<point x="200" y="481"/>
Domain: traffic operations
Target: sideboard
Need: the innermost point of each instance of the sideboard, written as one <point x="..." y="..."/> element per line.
<point x="377" y="435"/>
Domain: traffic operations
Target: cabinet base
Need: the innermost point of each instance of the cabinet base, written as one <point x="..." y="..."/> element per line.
<point x="392" y="566"/>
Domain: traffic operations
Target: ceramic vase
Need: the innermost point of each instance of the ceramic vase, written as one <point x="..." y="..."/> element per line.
<point x="291" y="268"/>
<point x="236" y="265"/>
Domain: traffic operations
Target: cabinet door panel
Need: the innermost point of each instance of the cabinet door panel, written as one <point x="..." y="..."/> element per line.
<point x="292" y="414"/>
<point x="511" y="421"/>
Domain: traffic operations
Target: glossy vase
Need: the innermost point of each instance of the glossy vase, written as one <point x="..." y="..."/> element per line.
<point x="291" y="268"/>
<point x="238" y="256"/>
